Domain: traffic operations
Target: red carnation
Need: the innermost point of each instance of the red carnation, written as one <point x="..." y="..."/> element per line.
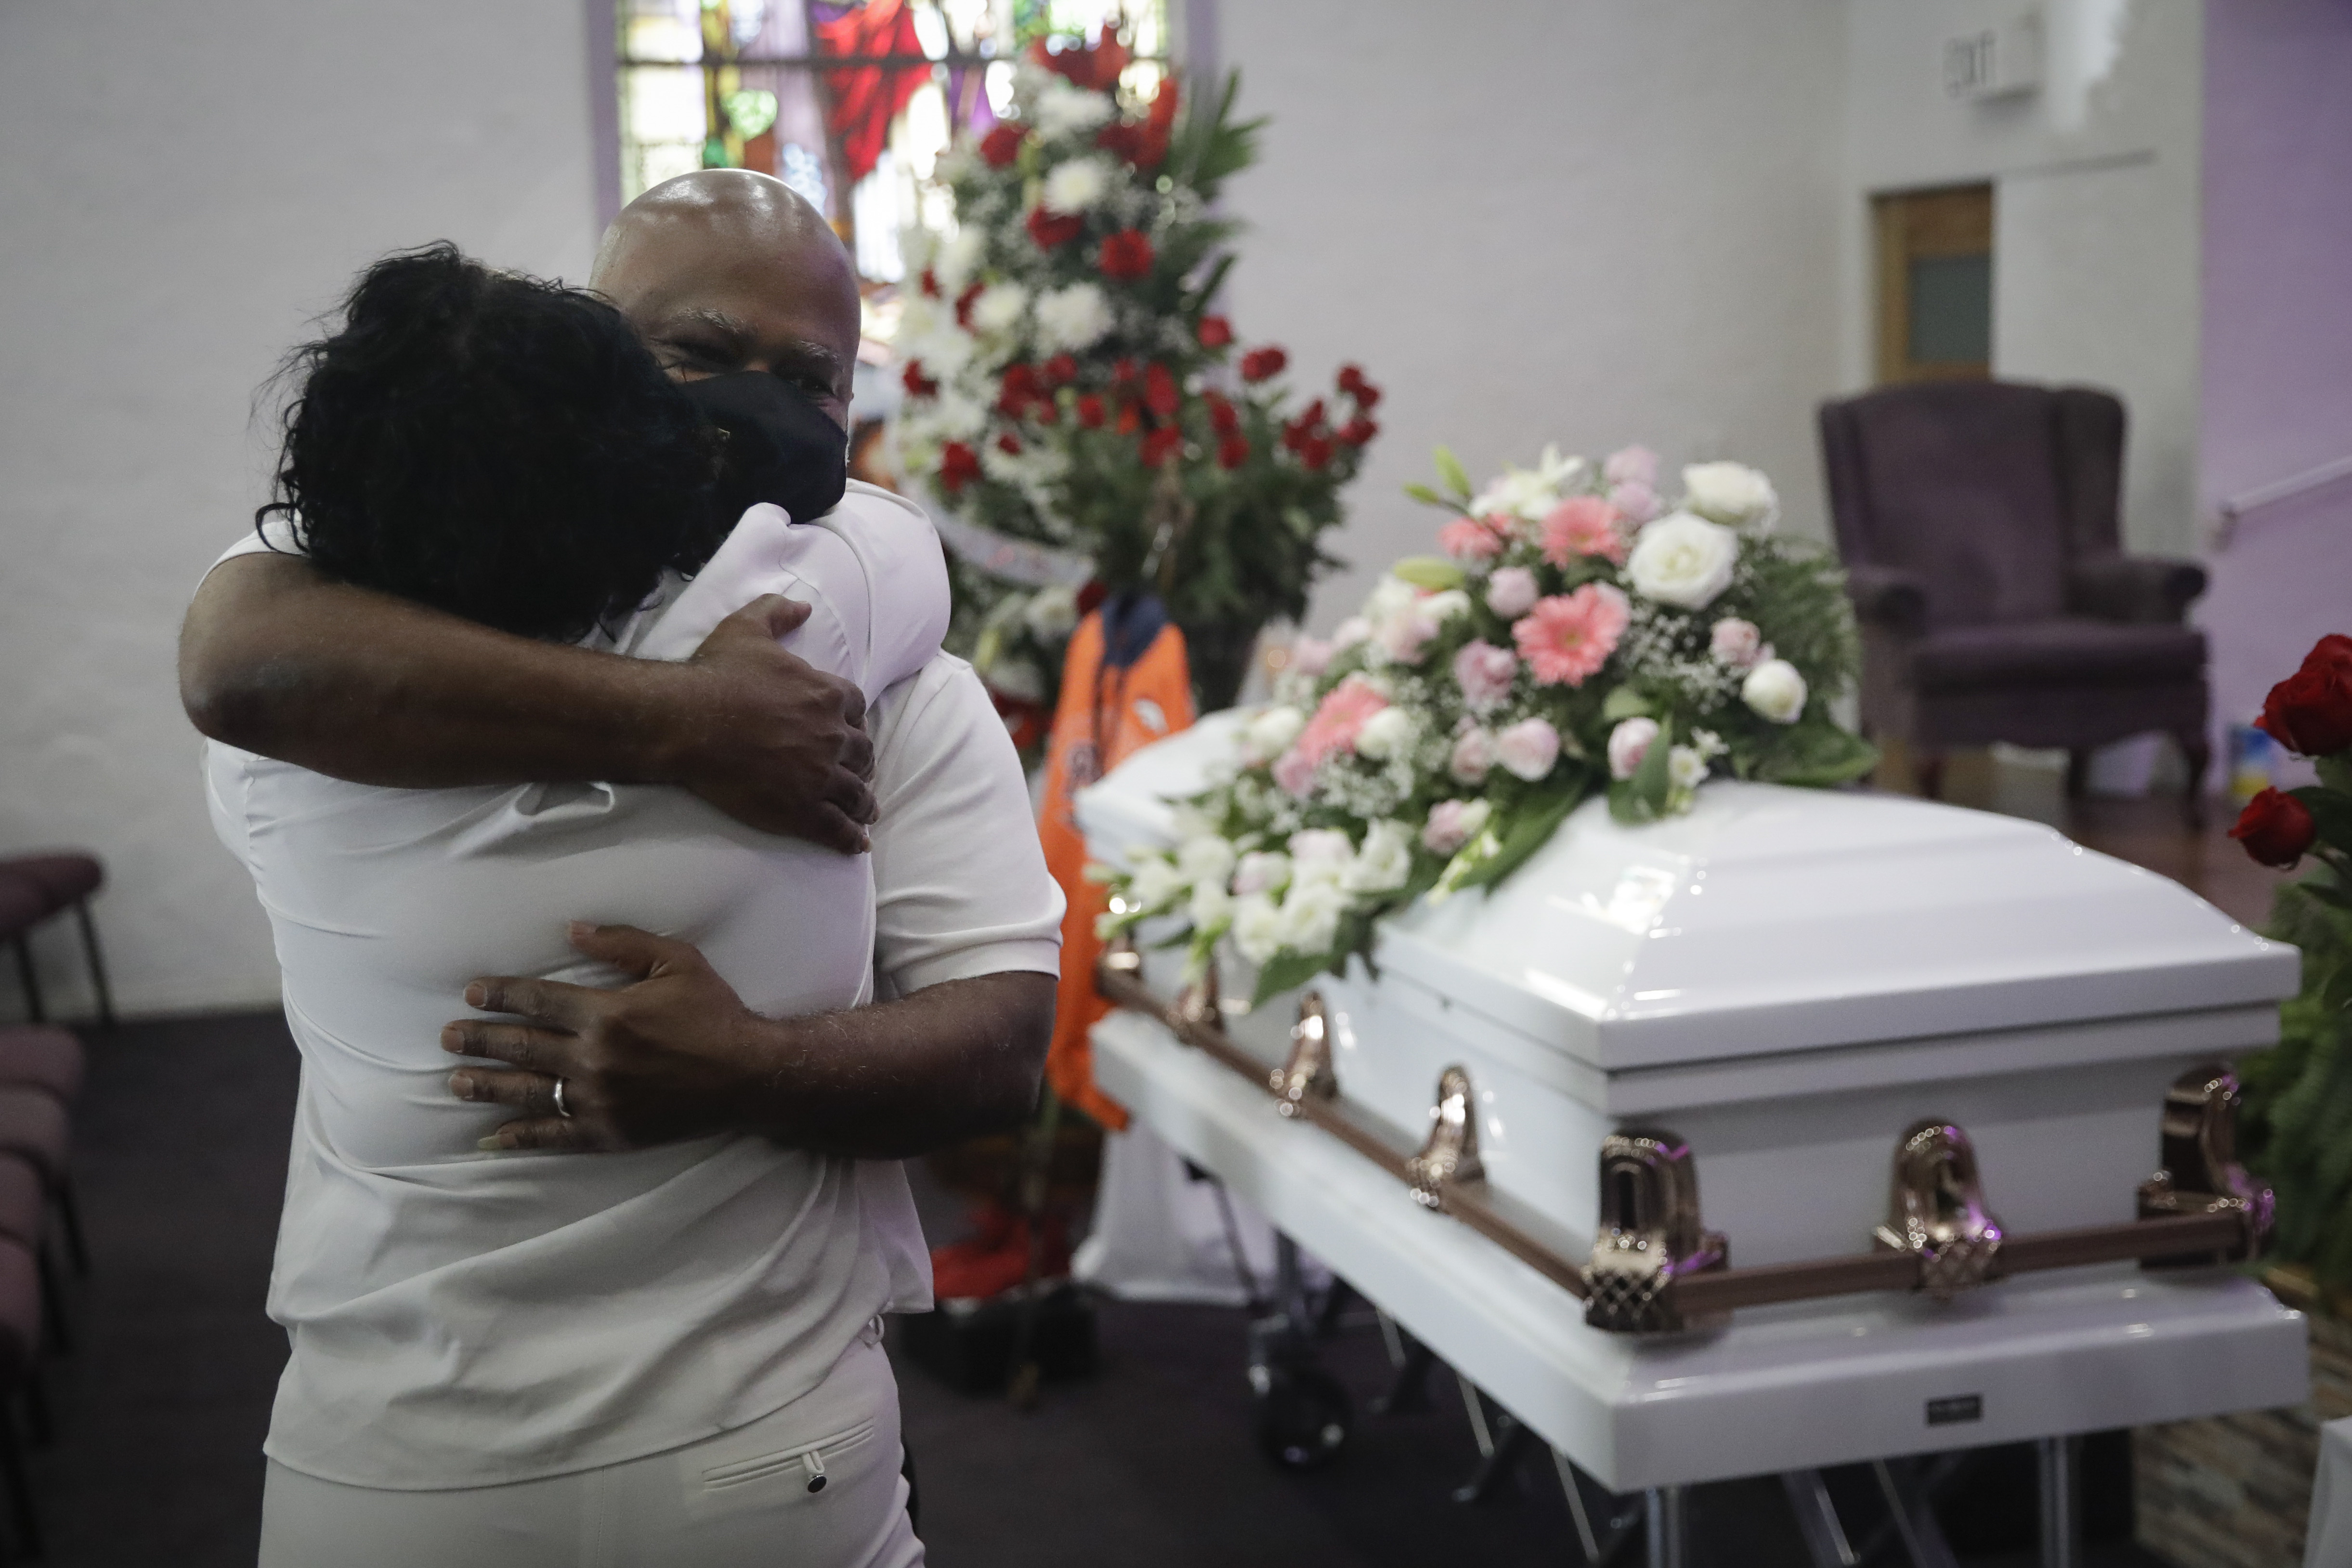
<point x="1161" y="444"/>
<point x="1315" y="452"/>
<point x="1091" y="411"/>
<point x="1159" y="391"/>
<point x="959" y="465"/>
<point x="1125" y="369"/>
<point x="1001" y="146"/>
<point x="918" y="385"/>
<point x="1018" y="390"/>
<point x="2310" y="711"/>
<point x="1051" y="229"/>
<point x="1059" y="370"/>
<point x="1126" y="255"/>
<point x="931" y="283"/>
<point x="1130" y="416"/>
<point x="1214" y="332"/>
<point x="1121" y="141"/>
<point x="2275" y="828"/>
<point x="1223" y="418"/>
<point x="1352" y="382"/>
<point x="1009" y="444"/>
<point x="1158" y="126"/>
<point x="1261" y="365"/>
<point x="963" y="306"/>
<point x="1359" y="431"/>
<point x="1233" y="452"/>
<point x="1098" y="66"/>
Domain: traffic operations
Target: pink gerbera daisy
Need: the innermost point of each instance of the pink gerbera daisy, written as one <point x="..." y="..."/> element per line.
<point x="1471" y="539"/>
<point x="1569" y="636"/>
<point x="1582" y="525"/>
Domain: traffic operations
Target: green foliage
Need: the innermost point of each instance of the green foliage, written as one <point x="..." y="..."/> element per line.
<point x="2297" y="1130"/>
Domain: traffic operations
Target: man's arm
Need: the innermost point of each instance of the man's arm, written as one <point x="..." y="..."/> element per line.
<point x="677" y="1055"/>
<point x="361" y="686"/>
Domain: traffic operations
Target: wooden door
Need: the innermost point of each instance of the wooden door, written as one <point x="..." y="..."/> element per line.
<point x="1935" y="284"/>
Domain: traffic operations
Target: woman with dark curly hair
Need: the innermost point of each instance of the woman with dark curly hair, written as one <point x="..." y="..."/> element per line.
<point x="677" y="1340"/>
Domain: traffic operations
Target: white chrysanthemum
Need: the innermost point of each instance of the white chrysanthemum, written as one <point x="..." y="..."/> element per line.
<point x="1077" y="184"/>
<point x="1385" y="861"/>
<point x="997" y="309"/>
<point x="1072" y="318"/>
<point x="1207" y="859"/>
<point x="1387" y="733"/>
<point x="1269" y="735"/>
<point x="1530" y="492"/>
<point x="1061" y="107"/>
<point x="1052" y="612"/>
<point x="1257" y="927"/>
<point x="1155" y="882"/>
<point x="958" y="258"/>
<point x="1210" y="907"/>
<point x="956" y="417"/>
<point x="1310" y="916"/>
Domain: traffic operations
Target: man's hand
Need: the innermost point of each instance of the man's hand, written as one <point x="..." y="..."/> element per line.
<point x="774" y="742"/>
<point x="677" y="1055"/>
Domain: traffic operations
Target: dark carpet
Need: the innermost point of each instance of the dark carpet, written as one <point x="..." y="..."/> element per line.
<point x="181" y="1151"/>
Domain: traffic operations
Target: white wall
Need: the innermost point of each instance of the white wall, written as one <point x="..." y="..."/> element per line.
<point x="2097" y="204"/>
<point x="184" y="187"/>
<point x="1592" y="224"/>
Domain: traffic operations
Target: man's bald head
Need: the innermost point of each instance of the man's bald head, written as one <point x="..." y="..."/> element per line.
<point x="725" y="269"/>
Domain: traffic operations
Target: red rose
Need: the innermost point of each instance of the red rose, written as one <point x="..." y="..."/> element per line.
<point x="1158" y="126"/>
<point x="963" y="306"/>
<point x="959" y="465"/>
<point x="1352" y="382"/>
<point x="1161" y="444"/>
<point x="1159" y="391"/>
<point x="931" y="283"/>
<point x="1052" y="229"/>
<point x="1214" y="332"/>
<point x="1009" y="444"/>
<point x="1125" y="369"/>
<point x="1018" y="390"/>
<point x="1233" y="452"/>
<point x="1121" y="142"/>
<point x="1223" y="418"/>
<point x="918" y="385"/>
<point x="1001" y="146"/>
<point x="1260" y="364"/>
<point x="1091" y="411"/>
<point x="2275" y="829"/>
<point x="2310" y="711"/>
<point x="1098" y="66"/>
<point x="1126" y="255"/>
<point x="1359" y="431"/>
<point x="1315" y="452"/>
<point x="1059" y="370"/>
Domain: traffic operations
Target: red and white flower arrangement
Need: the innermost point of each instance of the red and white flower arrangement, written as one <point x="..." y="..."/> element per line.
<point x="1578" y="633"/>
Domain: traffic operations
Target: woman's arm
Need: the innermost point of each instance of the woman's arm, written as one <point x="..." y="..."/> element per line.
<point x="361" y="686"/>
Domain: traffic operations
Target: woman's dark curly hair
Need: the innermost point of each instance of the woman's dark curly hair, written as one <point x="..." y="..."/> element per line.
<point x="495" y="445"/>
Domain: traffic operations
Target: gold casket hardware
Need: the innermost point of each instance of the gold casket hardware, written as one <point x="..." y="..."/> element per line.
<point x="1937" y="1211"/>
<point x="1649" y="1237"/>
<point x="1451" y="1152"/>
<point x="2201" y="1175"/>
<point x="1121" y="955"/>
<point x="1309" y="1074"/>
<point x="1198" y="1001"/>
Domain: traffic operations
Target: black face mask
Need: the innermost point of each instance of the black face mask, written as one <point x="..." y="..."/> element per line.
<point x="780" y="447"/>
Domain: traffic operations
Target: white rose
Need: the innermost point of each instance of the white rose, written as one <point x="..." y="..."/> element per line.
<point x="1446" y="604"/>
<point x="1073" y="318"/>
<point x="1319" y="855"/>
<point x="1685" y="768"/>
<point x="1262" y="871"/>
<point x="1385" y="734"/>
<point x="1682" y="559"/>
<point x="1256" y="929"/>
<point x="1730" y="493"/>
<point x="1270" y="733"/>
<point x="997" y="309"/>
<point x="1052" y="613"/>
<point x="1208" y="858"/>
<point x="1211" y="906"/>
<point x="1385" y="861"/>
<point x="1310" y="916"/>
<point x="1076" y="186"/>
<point x="1629" y="742"/>
<point x="1775" y="690"/>
<point x="1154" y="882"/>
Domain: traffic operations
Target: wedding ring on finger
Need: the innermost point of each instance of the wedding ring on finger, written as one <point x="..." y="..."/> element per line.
<point x="560" y="1108"/>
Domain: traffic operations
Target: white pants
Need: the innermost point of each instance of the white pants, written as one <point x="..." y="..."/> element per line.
<point x="816" y="1485"/>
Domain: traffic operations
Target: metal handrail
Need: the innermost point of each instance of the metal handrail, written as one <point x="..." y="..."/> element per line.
<point x="2233" y="511"/>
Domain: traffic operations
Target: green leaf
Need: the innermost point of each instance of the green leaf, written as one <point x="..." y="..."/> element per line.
<point x="1286" y="971"/>
<point x="1434" y="573"/>
<point x="2331" y="811"/>
<point x="1815" y="753"/>
<point x="1529" y="828"/>
<point x="1625" y="703"/>
<point x="1450" y="471"/>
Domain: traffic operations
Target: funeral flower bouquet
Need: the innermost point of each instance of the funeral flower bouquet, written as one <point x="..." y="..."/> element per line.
<point x="1068" y="387"/>
<point x="1580" y="633"/>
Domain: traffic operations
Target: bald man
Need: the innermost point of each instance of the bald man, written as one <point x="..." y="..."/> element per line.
<point x="721" y="271"/>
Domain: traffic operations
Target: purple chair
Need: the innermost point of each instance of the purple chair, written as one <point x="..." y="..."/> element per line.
<point x="1979" y="526"/>
<point x="61" y="880"/>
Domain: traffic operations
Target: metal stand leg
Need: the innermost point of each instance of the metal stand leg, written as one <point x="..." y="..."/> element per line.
<point x="1494" y="1471"/>
<point x="97" y="966"/>
<point x="1665" y="1511"/>
<point x="33" y="1007"/>
<point x="1818" y="1522"/>
<point x="2062" y="1524"/>
<point x="1914" y="1519"/>
<point x="1408" y="1390"/>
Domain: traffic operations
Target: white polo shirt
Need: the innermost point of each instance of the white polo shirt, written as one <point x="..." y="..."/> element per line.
<point x="459" y="1318"/>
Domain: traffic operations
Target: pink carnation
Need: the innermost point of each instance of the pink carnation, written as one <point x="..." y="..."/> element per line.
<point x="1581" y="525"/>
<point x="1632" y="466"/>
<point x="1312" y="656"/>
<point x="1474" y="757"/>
<point x="1451" y="822"/>
<point x="1569" y="636"/>
<point x="1511" y="592"/>
<point x="1484" y="672"/>
<point x="1338" y="719"/>
<point x="1636" y="502"/>
<point x="1737" y="643"/>
<point x="1630" y="742"/>
<point x="1471" y="539"/>
<point x="1294" y="772"/>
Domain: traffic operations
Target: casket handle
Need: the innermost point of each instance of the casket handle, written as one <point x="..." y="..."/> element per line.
<point x="1200" y="1003"/>
<point x="1309" y="1074"/>
<point x="1650" y="1236"/>
<point x="1935" y="1211"/>
<point x="2202" y="1175"/>
<point x="1451" y="1152"/>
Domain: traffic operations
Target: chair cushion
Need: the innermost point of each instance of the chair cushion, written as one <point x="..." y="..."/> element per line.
<point x="23" y="905"/>
<point x="64" y="879"/>
<point x="2064" y="651"/>
<point x="42" y="1056"/>
<point x="33" y="1128"/>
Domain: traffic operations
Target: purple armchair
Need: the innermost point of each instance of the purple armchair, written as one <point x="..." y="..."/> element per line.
<point x="1979" y="525"/>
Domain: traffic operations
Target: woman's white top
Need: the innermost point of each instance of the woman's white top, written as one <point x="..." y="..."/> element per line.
<point x="460" y="1318"/>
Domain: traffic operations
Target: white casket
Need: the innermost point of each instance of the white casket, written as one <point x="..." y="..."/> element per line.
<point x="1787" y="981"/>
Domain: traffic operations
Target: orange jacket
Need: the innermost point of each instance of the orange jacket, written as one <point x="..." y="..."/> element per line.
<point x="1122" y="688"/>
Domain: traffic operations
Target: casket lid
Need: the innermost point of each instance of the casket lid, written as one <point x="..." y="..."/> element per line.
<point x="1770" y="919"/>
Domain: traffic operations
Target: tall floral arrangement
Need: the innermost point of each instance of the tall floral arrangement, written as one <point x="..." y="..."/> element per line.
<point x="2299" y="1093"/>
<point x="1067" y="385"/>
<point x="1580" y="633"/>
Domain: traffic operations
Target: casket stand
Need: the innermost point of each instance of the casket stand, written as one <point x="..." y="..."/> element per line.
<point x="1747" y="1018"/>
